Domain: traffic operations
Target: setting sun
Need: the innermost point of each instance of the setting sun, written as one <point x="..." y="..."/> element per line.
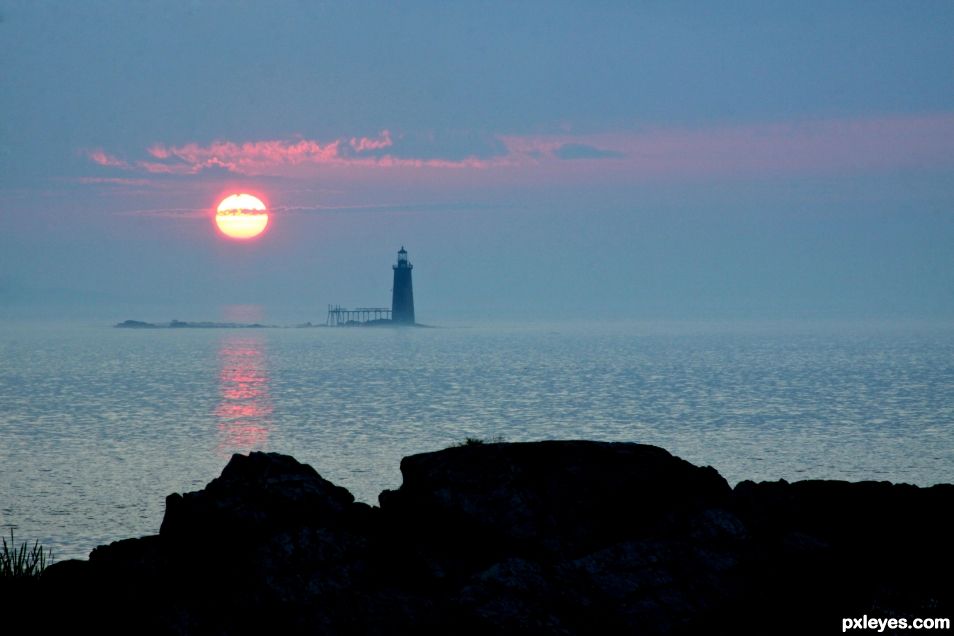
<point x="241" y="216"/>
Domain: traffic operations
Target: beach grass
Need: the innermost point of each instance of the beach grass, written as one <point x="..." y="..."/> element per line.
<point x="23" y="561"/>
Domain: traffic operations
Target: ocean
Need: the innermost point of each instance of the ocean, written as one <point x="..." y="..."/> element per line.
<point x="98" y="425"/>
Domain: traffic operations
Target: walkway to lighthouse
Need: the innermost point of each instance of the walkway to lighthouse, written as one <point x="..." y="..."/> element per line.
<point x="339" y="316"/>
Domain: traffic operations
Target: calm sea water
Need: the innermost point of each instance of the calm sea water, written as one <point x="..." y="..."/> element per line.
<point x="98" y="425"/>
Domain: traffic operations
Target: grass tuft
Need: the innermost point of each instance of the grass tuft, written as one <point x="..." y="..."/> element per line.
<point x="477" y="441"/>
<point x="23" y="561"/>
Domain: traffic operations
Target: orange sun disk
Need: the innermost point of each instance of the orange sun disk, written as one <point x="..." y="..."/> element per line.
<point x="241" y="216"/>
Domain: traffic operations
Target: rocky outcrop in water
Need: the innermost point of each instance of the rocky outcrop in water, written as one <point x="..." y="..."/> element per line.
<point x="180" y="324"/>
<point x="568" y="537"/>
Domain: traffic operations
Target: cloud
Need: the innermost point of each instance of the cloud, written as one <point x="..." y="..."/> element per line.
<point x="243" y="158"/>
<point x="169" y="213"/>
<point x="450" y="146"/>
<point x="315" y="208"/>
<point x="99" y="156"/>
<point x="583" y="151"/>
<point x="365" y="143"/>
<point x="746" y="150"/>
<point x="280" y="157"/>
<point x="820" y="147"/>
<point x="113" y="181"/>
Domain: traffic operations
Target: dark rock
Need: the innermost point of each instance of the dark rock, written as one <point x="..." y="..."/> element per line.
<point x="846" y="549"/>
<point x="64" y="571"/>
<point x="514" y="596"/>
<point x="539" y="538"/>
<point x="256" y="494"/>
<point x="555" y="495"/>
<point x="135" y="324"/>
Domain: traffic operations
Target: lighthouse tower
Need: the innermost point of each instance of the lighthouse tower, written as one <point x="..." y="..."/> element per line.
<point x="402" y="294"/>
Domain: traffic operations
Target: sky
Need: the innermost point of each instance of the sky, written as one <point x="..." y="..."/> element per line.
<point x="540" y="161"/>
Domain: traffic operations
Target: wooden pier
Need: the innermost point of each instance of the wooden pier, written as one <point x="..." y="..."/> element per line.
<point x="339" y="316"/>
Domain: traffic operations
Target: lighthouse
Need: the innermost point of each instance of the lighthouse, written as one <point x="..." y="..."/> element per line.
<point x="402" y="294"/>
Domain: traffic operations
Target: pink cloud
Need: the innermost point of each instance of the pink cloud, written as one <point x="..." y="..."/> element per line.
<point x="100" y="157"/>
<point x="814" y="147"/>
<point x="749" y="150"/>
<point x="277" y="157"/>
<point x="245" y="158"/>
<point x="158" y="151"/>
<point x="365" y="143"/>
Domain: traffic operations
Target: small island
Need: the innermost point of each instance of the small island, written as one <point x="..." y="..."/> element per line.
<point x="180" y="324"/>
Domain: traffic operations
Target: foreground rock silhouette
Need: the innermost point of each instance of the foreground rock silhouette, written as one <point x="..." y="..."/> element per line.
<point x="559" y="537"/>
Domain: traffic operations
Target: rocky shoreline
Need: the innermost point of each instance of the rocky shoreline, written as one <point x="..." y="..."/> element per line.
<point x="557" y="537"/>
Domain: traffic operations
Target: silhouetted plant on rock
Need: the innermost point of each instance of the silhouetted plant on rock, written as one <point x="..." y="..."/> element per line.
<point x="23" y="561"/>
<point x="477" y="441"/>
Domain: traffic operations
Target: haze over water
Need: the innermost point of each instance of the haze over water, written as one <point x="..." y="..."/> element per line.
<point x="100" y="424"/>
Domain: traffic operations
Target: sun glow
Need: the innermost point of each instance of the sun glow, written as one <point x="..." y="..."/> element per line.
<point x="241" y="216"/>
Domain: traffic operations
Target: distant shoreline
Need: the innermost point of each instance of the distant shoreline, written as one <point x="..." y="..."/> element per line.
<point x="180" y="324"/>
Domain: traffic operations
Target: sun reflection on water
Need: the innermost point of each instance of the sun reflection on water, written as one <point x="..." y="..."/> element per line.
<point x="245" y="406"/>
